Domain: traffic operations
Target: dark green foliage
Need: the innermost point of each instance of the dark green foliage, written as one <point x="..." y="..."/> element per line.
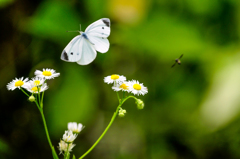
<point x="191" y="110"/>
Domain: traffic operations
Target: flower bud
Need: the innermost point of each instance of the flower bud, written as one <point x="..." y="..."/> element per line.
<point x="122" y="112"/>
<point x="31" y="98"/>
<point x="63" y="146"/>
<point x="140" y="104"/>
<point x="75" y="127"/>
<point x="69" y="137"/>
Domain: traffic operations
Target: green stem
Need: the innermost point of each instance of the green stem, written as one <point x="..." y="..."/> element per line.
<point x="66" y="153"/>
<point x="119" y="100"/>
<point x="39" y="99"/>
<point x="24" y="91"/>
<point x="45" y="126"/>
<point x="42" y="99"/>
<point x="123" y="95"/>
<point x="46" y="130"/>
<point x="37" y="105"/>
<point x="110" y="123"/>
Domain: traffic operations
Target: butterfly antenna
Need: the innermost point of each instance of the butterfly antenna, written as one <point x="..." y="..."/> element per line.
<point x="73" y="31"/>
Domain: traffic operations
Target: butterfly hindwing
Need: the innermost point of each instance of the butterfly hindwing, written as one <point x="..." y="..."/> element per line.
<point x="88" y="52"/>
<point x="72" y="52"/>
<point x="99" y="43"/>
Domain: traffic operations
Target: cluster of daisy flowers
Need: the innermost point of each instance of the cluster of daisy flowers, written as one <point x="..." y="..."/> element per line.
<point x="36" y="84"/>
<point x="66" y="143"/>
<point x="120" y="84"/>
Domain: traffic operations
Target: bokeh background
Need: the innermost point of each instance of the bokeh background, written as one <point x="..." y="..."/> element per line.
<point x="191" y="110"/>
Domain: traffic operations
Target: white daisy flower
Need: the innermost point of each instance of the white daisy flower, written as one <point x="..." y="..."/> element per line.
<point x="124" y="86"/>
<point x="17" y="83"/>
<point x="63" y="146"/>
<point x="46" y="73"/>
<point x="37" y="81"/>
<point x="114" y="78"/>
<point x="137" y="88"/>
<point x="69" y="136"/>
<point x="33" y="88"/>
<point x="74" y="127"/>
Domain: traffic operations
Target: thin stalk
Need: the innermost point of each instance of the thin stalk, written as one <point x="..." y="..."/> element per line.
<point x="39" y="99"/>
<point x="119" y="100"/>
<point x="24" y="92"/>
<point x="123" y="95"/>
<point x="66" y="153"/>
<point x="110" y="123"/>
<point x="38" y="105"/>
<point x="46" y="130"/>
<point x="42" y="99"/>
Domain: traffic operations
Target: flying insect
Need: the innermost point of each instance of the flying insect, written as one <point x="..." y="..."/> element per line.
<point x="177" y="61"/>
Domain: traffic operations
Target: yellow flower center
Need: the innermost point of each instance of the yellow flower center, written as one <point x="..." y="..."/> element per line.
<point x="47" y="73"/>
<point x="19" y="83"/>
<point x="124" y="86"/>
<point x="114" y="77"/>
<point x="36" y="83"/>
<point x="35" y="89"/>
<point x="137" y="86"/>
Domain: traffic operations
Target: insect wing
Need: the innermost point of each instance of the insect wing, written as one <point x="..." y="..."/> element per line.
<point x="100" y="28"/>
<point x="82" y="49"/>
<point x="173" y="65"/>
<point x="72" y="52"/>
<point x="100" y="44"/>
<point x="88" y="52"/>
<point x="98" y="32"/>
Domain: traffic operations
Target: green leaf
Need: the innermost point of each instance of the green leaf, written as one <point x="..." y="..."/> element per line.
<point x="55" y="17"/>
<point x="55" y="156"/>
<point x="74" y="157"/>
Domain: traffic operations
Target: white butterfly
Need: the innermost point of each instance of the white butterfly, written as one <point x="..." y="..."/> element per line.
<point x="82" y="48"/>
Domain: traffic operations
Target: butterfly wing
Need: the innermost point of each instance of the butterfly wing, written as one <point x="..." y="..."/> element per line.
<point x="82" y="49"/>
<point x="97" y="33"/>
<point x="88" y="52"/>
<point x="72" y="52"/>
<point x="100" y="44"/>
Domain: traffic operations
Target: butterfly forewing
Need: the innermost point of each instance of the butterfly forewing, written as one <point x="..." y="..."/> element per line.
<point x="98" y="32"/>
<point x="71" y="52"/>
<point x="88" y="52"/>
<point x="100" y="28"/>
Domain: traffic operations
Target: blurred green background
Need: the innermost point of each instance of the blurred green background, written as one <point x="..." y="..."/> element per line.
<point x="191" y="111"/>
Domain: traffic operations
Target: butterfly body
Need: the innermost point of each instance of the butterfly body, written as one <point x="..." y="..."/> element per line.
<point x="83" y="48"/>
<point x="84" y="35"/>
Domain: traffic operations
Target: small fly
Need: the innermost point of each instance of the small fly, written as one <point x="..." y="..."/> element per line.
<point x="177" y="61"/>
